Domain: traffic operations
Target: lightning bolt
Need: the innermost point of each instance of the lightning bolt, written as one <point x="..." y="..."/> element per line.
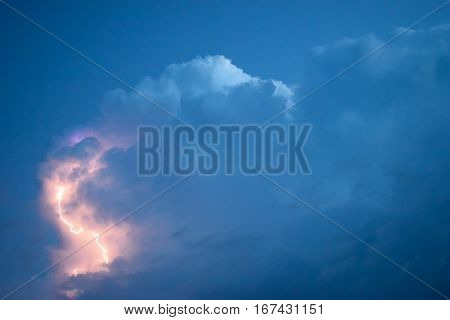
<point x="60" y="196"/>
<point x="103" y="249"/>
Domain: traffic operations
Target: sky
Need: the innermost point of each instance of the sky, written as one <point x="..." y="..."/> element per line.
<point x="379" y="149"/>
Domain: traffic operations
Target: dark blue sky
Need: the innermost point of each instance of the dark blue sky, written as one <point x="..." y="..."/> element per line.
<point x="379" y="148"/>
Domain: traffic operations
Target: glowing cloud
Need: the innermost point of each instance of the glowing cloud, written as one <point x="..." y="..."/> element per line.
<point x="86" y="186"/>
<point x="76" y="217"/>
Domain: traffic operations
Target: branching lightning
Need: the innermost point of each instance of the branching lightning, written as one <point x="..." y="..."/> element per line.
<point x="79" y="219"/>
<point x="60" y="196"/>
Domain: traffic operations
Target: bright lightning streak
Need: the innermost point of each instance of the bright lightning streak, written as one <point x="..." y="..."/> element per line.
<point x="77" y="218"/>
<point x="60" y="196"/>
<point x="104" y="251"/>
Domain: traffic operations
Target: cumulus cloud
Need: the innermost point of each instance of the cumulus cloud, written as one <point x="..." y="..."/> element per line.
<point x="90" y="177"/>
<point x="379" y="158"/>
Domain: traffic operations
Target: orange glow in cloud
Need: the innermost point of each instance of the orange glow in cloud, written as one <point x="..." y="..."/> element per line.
<point x="79" y="220"/>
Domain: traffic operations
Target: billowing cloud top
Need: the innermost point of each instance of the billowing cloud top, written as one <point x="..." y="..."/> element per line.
<point x="203" y="90"/>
